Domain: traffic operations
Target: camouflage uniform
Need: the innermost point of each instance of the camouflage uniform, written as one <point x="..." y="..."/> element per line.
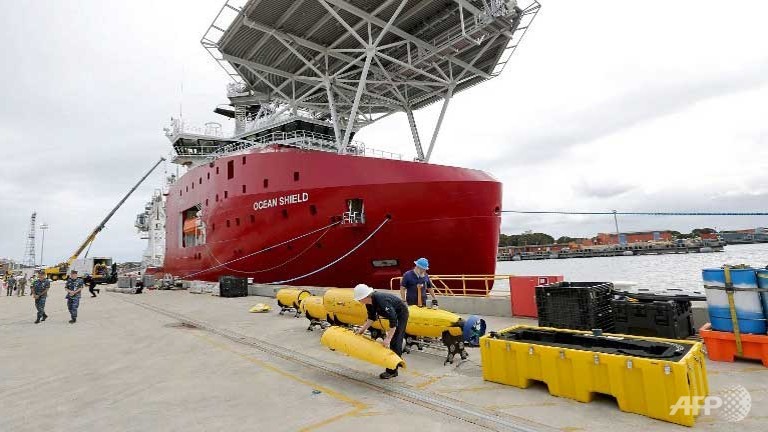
<point x="39" y="287"/>
<point x="11" y="281"/>
<point x="22" y="284"/>
<point x="73" y="302"/>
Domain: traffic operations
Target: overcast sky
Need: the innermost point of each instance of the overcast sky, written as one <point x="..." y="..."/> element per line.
<point x="606" y="105"/>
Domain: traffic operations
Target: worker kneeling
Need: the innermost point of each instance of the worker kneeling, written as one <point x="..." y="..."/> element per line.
<point x="390" y="307"/>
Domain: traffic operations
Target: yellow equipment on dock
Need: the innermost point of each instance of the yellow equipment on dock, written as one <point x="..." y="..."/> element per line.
<point x="423" y="323"/>
<point x="648" y="376"/>
<point x="59" y="271"/>
<point x="312" y="307"/>
<point x="360" y="347"/>
<point x="289" y="300"/>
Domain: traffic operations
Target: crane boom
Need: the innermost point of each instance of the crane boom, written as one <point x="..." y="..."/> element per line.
<point x="103" y="223"/>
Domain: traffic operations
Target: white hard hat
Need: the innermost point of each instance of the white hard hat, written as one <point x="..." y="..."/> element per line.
<point x="362" y="291"/>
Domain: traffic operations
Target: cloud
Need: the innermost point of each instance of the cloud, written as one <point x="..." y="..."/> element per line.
<point x="602" y="190"/>
<point x="541" y="142"/>
<point x="577" y="115"/>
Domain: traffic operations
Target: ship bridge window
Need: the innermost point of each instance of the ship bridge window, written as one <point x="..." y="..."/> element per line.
<point x="355" y="211"/>
<point x="230" y="169"/>
<point x="192" y="227"/>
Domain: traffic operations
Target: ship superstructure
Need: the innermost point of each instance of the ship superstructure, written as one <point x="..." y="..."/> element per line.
<point x="291" y="196"/>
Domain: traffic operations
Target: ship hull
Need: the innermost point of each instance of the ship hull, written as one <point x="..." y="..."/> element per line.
<point x="279" y="217"/>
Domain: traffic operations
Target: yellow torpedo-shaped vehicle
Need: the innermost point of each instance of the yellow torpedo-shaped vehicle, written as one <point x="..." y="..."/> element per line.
<point x="360" y="347"/>
<point x="423" y="323"/>
<point x="289" y="300"/>
<point x="312" y="307"/>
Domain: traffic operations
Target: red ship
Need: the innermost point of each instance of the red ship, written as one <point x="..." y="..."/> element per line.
<point x="290" y="197"/>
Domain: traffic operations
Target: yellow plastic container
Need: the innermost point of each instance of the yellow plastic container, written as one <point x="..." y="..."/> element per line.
<point x="313" y="308"/>
<point x="291" y="297"/>
<point x="360" y="347"/>
<point x="422" y="322"/>
<point x="646" y="386"/>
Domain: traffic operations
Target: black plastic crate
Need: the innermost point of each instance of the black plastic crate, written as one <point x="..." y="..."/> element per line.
<point x="231" y="286"/>
<point x="667" y="319"/>
<point x="575" y="305"/>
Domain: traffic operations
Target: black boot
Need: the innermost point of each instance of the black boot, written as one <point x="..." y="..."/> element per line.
<point x="37" y="321"/>
<point x="388" y="374"/>
<point x="45" y="317"/>
<point x="73" y="320"/>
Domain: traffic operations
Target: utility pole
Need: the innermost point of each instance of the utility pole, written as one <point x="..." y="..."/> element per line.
<point x="43" y="227"/>
<point x="616" y="222"/>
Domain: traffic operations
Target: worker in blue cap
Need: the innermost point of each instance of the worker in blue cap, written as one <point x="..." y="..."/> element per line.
<point x="415" y="283"/>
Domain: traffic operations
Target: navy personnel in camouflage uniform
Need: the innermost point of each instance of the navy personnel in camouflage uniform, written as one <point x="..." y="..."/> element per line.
<point x="40" y="288"/>
<point x="11" y="281"/>
<point x="73" y="286"/>
<point x="22" y="285"/>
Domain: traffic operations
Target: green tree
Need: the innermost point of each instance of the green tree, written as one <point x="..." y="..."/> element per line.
<point x="525" y="239"/>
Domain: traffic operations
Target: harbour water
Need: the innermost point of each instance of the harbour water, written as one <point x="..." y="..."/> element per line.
<point x="649" y="271"/>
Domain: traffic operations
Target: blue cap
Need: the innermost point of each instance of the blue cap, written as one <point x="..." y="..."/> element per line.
<point x="422" y="263"/>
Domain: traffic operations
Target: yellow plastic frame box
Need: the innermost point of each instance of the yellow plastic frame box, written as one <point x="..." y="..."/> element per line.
<point x="640" y="385"/>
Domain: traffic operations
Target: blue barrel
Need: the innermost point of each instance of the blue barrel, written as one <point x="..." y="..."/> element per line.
<point x="474" y="328"/>
<point x="762" y="282"/>
<point x="749" y="308"/>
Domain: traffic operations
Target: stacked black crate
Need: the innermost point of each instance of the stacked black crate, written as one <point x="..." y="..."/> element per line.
<point x="667" y="319"/>
<point x="576" y="305"/>
<point x="231" y="286"/>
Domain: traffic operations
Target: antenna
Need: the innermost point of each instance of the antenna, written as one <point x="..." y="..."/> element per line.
<point x="29" y="249"/>
<point x="181" y="99"/>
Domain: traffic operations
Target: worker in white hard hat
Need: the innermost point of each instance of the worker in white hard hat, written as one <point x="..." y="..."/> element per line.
<point x="387" y="306"/>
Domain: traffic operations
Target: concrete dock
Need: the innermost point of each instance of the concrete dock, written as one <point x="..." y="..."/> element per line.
<point x="171" y="360"/>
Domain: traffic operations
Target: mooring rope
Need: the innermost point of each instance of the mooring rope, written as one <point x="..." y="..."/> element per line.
<point x="381" y="225"/>
<point x="294" y="258"/>
<point x="260" y="251"/>
<point x="640" y="213"/>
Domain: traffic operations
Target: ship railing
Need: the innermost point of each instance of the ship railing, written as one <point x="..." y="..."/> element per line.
<point x="306" y="141"/>
<point x="229" y="12"/>
<point x="523" y="22"/>
<point x="179" y="126"/>
<point x="456" y="285"/>
<point x="352" y="217"/>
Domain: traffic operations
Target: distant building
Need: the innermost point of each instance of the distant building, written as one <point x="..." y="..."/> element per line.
<point x="633" y="237"/>
<point x="752" y="235"/>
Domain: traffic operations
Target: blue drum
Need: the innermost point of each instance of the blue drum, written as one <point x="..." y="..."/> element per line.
<point x="762" y="282"/>
<point x="749" y="308"/>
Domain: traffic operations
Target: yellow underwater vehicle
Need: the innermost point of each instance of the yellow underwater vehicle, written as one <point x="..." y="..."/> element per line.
<point x="289" y="300"/>
<point x="361" y="347"/>
<point x="313" y="308"/>
<point x="424" y="325"/>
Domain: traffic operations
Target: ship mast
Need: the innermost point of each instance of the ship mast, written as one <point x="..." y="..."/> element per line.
<point x="335" y="62"/>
